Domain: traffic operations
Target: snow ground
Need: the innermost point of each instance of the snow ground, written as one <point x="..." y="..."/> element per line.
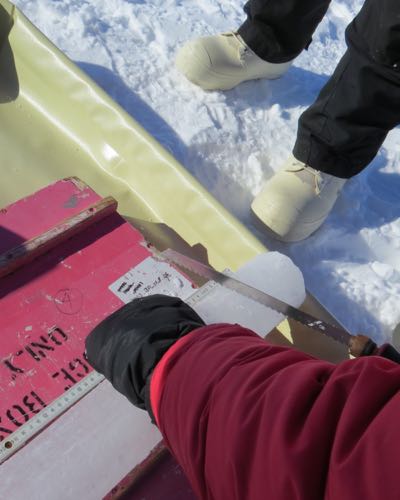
<point x="232" y="141"/>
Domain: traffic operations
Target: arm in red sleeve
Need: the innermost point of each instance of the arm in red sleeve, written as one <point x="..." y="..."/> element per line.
<point x="252" y="421"/>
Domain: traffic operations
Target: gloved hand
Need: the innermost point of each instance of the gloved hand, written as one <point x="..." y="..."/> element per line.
<point x="126" y="346"/>
<point x="361" y="345"/>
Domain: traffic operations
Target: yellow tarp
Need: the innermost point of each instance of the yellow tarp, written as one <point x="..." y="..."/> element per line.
<point x="56" y="122"/>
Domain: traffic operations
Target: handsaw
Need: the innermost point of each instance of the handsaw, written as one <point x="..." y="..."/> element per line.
<point x="359" y="345"/>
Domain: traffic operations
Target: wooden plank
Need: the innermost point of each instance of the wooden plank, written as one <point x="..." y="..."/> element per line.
<point x="32" y="249"/>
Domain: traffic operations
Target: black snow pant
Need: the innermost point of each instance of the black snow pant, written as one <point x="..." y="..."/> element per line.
<point x="345" y="127"/>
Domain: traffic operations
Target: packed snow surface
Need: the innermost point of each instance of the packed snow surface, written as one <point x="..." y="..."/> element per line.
<point x="232" y="141"/>
<point x="285" y="282"/>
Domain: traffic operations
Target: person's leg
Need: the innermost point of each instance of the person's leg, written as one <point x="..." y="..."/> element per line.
<point x="275" y="32"/>
<point x="278" y="30"/>
<point x="343" y="130"/>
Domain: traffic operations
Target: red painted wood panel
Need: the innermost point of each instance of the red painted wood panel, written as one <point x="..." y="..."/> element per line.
<point x="48" y="306"/>
<point x="36" y="214"/>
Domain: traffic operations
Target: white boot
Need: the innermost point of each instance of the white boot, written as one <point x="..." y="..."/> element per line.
<point x="296" y="200"/>
<point x="221" y="62"/>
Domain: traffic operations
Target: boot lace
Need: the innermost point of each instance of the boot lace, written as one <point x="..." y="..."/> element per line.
<point x="318" y="178"/>
<point x="243" y="49"/>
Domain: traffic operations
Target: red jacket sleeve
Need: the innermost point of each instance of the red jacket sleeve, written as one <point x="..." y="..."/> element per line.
<point x="251" y="421"/>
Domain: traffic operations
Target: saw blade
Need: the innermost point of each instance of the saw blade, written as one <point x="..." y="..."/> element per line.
<point x="192" y="265"/>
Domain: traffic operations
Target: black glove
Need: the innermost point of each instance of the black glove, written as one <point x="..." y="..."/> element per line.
<point x="126" y="346"/>
<point x="389" y="352"/>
